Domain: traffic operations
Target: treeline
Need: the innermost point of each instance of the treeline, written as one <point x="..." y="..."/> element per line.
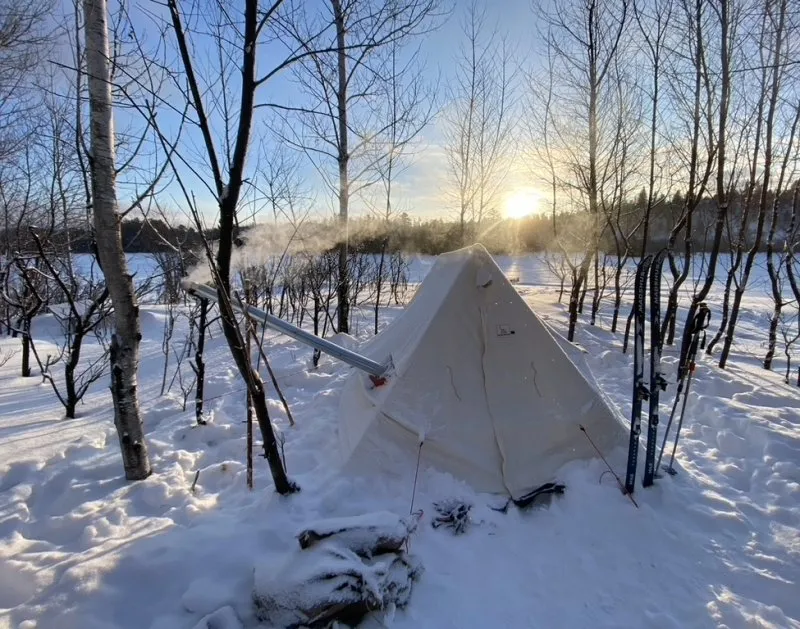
<point x="530" y="234"/>
<point x="434" y="236"/>
<point x="138" y="236"/>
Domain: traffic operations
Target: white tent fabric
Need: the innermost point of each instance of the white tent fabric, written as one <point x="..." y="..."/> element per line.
<point x="480" y="381"/>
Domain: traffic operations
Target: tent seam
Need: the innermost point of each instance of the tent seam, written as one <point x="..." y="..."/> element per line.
<point x="488" y="406"/>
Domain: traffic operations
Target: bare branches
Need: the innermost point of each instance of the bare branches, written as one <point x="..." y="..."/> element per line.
<point x="478" y="124"/>
<point x="6" y="355"/>
<point x="86" y="311"/>
<point x="25" y="37"/>
<point x="347" y="56"/>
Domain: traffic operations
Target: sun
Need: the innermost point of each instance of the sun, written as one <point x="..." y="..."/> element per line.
<point x="522" y="203"/>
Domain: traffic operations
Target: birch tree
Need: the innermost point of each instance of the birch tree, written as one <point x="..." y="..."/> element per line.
<point x="691" y="98"/>
<point x="124" y="348"/>
<point x="407" y="111"/>
<point x="653" y="19"/>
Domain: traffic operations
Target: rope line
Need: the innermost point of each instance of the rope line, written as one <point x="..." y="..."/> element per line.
<point x="416" y="476"/>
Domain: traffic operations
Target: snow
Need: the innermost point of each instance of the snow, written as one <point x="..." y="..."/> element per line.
<point x="716" y="546"/>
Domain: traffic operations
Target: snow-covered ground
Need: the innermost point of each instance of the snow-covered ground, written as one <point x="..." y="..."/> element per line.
<point x="716" y="546"/>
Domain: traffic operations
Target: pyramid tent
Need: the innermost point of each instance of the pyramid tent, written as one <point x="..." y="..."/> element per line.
<point x="480" y="381"/>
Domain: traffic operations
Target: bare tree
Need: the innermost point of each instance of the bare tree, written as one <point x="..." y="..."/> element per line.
<point x="225" y="120"/>
<point x="539" y="112"/>
<point x="653" y="18"/>
<point x="340" y="78"/>
<point x="777" y="14"/>
<point x="478" y="123"/>
<point x="790" y="331"/>
<point x="408" y="110"/>
<point x="583" y="60"/>
<point x="25" y="290"/>
<point x="540" y="119"/>
<point x="753" y="142"/>
<point x="692" y="99"/>
<point x="619" y="168"/>
<point x="85" y="313"/>
<point x="77" y="297"/>
<point x="787" y="258"/>
<point x="726" y="23"/>
<point x="791" y="274"/>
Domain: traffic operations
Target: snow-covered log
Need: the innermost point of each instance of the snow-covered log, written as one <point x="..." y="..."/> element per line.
<point x="223" y="618"/>
<point x="366" y="535"/>
<point x="313" y="588"/>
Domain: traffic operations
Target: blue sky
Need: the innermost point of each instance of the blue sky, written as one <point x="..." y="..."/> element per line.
<point x="423" y="189"/>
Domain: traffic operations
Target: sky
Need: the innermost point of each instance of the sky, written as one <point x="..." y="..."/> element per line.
<point x="424" y="189"/>
<point x="426" y="181"/>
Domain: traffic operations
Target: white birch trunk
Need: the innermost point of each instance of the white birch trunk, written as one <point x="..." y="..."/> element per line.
<point x="126" y="337"/>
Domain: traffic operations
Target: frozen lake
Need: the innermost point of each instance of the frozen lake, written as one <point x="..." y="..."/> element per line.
<point x="528" y="269"/>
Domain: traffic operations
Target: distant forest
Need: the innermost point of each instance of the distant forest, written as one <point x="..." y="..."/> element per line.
<point x="437" y="235"/>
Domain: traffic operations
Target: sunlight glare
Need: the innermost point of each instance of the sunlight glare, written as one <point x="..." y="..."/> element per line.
<point x="522" y="203"/>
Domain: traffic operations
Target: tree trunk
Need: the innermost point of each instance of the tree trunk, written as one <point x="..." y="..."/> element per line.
<point x="228" y="201"/>
<point x="722" y="199"/>
<point x="617" y="299"/>
<point x="69" y="375"/>
<point x="596" y="295"/>
<point x="379" y="283"/>
<point x="199" y="363"/>
<point x="773" y="334"/>
<point x="578" y="277"/>
<point x="726" y="305"/>
<point x="26" y="350"/>
<point x="343" y="288"/>
<point x="774" y="278"/>
<point x="125" y="339"/>
<point x="584" y="288"/>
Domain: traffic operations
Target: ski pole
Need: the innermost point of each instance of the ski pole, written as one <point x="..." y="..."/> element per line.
<point x="670" y="470"/>
<point x="699" y="324"/>
<point x="669" y="423"/>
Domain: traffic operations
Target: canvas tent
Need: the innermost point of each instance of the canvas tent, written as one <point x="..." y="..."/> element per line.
<point x="480" y="381"/>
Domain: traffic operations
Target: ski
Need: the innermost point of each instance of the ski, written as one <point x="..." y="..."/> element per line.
<point x="640" y="392"/>
<point x="657" y="381"/>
